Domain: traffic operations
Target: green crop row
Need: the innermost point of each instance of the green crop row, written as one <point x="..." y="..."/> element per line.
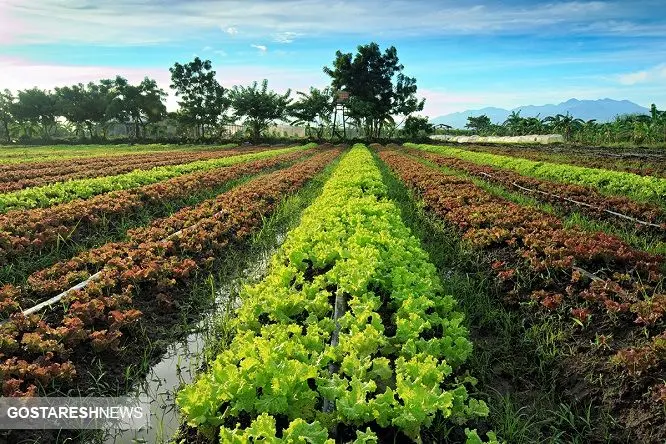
<point x="19" y="154"/>
<point x="61" y="192"/>
<point x="350" y="329"/>
<point x="641" y="188"/>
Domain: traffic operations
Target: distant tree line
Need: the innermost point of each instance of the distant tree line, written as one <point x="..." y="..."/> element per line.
<point x="381" y="104"/>
<point x="639" y="129"/>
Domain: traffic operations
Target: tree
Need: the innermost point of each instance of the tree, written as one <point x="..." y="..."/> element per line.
<point x="36" y="107"/>
<point x="405" y="102"/>
<point x="514" y="123"/>
<point x="658" y="122"/>
<point x="259" y="106"/>
<point x="532" y="125"/>
<point x="313" y="108"/>
<point x="6" y="117"/>
<point x="377" y="87"/>
<point x="479" y="124"/>
<point x="137" y="105"/>
<point x="416" y="126"/>
<point x="84" y="105"/>
<point x="567" y="124"/>
<point x="588" y="131"/>
<point x="202" y="97"/>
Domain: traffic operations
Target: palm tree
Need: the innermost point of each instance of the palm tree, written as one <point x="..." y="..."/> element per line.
<point x="533" y="125"/>
<point x="658" y="122"/>
<point x="567" y="124"/>
<point x="589" y="131"/>
<point x="514" y="123"/>
<point x="314" y="110"/>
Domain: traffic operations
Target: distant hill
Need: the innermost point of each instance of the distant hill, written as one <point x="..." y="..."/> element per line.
<point x="602" y="110"/>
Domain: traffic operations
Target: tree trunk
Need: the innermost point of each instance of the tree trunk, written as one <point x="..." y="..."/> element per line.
<point x="90" y="129"/>
<point x="256" y="131"/>
<point x="6" y="126"/>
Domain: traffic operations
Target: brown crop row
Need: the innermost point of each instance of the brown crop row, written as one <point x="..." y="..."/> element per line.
<point x="26" y="175"/>
<point x="591" y="201"/>
<point x="23" y="232"/>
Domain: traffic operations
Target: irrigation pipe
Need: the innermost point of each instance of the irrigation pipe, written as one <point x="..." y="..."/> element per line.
<point x="96" y="276"/>
<point x="584" y="204"/>
<point x="339" y="311"/>
<point x="55" y="299"/>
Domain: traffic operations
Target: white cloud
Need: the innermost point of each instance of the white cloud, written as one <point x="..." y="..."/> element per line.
<point x="285" y="37"/>
<point x="125" y="21"/>
<point x="633" y="78"/>
<point x="261" y="48"/>
<point x="232" y="31"/>
<point x="17" y="73"/>
<point x="654" y="74"/>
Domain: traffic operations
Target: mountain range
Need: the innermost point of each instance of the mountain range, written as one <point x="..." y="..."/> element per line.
<point x="602" y="110"/>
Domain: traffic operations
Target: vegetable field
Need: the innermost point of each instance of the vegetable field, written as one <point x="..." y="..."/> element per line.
<point x="413" y="293"/>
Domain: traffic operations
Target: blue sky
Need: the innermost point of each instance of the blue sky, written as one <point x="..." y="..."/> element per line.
<point x="464" y="54"/>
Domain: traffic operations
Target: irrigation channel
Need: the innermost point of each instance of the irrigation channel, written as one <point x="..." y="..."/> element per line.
<point x="183" y="359"/>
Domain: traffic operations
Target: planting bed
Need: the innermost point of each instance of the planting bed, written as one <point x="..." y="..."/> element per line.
<point x="354" y="334"/>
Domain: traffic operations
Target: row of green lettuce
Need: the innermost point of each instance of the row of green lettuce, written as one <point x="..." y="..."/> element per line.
<point x="641" y="188"/>
<point x="399" y="340"/>
<point x="61" y="192"/>
<point x="22" y="154"/>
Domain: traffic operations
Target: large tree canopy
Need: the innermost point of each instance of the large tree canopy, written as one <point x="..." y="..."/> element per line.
<point x="479" y="124"/>
<point x="313" y="109"/>
<point x="6" y="116"/>
<point x="137" y="105"/>
<point x="259" y="106"/>
<point x="417" y="126"/>
<point x="84" y="104"/>
<point x="36" y="107"/>
<point x="202" y="100"/>
<point x="378" y="89"/>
